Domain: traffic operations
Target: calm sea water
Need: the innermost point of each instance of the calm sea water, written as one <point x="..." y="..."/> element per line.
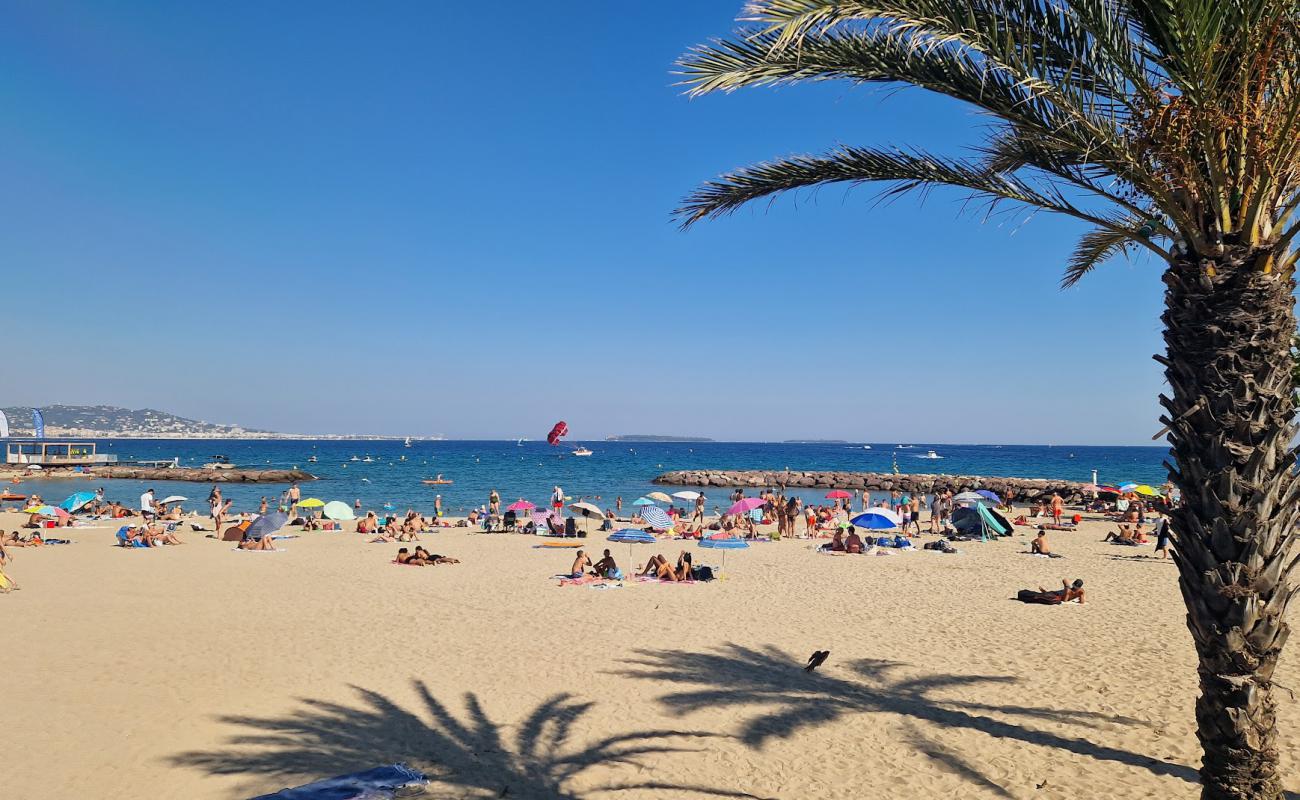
<point x="532" y="469"/>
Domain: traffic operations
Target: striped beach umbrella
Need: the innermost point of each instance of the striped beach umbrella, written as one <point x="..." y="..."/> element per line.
<point x="656" y="517"/>
<point x="631" y="536"/>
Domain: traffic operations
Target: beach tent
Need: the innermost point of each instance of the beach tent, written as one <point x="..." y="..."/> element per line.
<point x="339" y="511"/>
<point x="981" y="519"/>
<point x="74" y="502"/>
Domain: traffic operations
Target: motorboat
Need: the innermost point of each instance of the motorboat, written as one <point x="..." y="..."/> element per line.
<point x="311" y="460"/>
<point x="219" y="462"/>
<point x="407" y="443"/>
<point x="930" y="454"/>
<point x="582" y="451"/>
<point x="367" y="460"/>
<point x="354" y="458"/>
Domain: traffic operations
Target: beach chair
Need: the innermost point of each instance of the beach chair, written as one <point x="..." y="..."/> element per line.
<point x="124" y="539"/>
<point x="508" y="522"/>
<point x="570" y="527"/>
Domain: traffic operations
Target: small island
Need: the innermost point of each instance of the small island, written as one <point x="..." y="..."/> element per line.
<point x="651" y="437"/>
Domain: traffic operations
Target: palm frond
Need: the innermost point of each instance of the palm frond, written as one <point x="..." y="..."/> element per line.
<point x="1102" y="244"/>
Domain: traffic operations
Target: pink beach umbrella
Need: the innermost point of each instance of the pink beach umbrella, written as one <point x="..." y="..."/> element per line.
<point x="520" y="505"/>
<point x="747" y="505"/>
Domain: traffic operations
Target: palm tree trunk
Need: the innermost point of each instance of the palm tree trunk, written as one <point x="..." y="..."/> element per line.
<point x="1228" y="329"/>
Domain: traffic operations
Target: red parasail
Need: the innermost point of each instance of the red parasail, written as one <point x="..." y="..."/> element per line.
<point x="561" y="429"/>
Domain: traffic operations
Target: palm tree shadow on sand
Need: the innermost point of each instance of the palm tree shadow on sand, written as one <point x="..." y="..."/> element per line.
<point x="790" y="700"/>
<point x="472" y="753"/>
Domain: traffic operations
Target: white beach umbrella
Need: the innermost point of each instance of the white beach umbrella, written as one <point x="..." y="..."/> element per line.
<point x="686" y="495"/>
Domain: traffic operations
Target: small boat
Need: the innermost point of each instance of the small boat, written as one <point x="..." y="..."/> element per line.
<point x="866" y="447"/>
<point x="311" y="460"/>
<point x="403" y="458"/>
<point x="582" y="451"/>
<point x="520" y="443"/>
<point x="439" y="482"/>
<point x="8" y="496"/>
<point x="407" y="443"/>
<point x="354" y="458"/>
<point x="930" y="454"/>
<point x="367" y="460"/>
<point x="219" y="462"/>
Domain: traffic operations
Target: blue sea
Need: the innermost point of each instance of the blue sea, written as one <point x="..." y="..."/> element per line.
<point x="532" y="469"/>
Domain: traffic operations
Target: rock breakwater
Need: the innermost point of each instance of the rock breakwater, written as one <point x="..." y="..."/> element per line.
<point x="1023" y="489"/>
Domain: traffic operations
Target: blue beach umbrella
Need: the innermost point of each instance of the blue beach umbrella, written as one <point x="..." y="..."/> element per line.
<point x="631" y="536"/>
<point x="267" y="524"/>
<point x="656" y="517"/>
<point x="724" y="544"/>
<point x="643" y="501"/>
<point x="877" y="519"/>
<point x="76" y="501"/>
<point x="985" y="493"/>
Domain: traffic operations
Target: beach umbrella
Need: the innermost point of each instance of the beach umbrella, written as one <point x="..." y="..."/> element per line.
<point x="686" y="495"/>
<point x="1146" y="490"/>
<point x="643" y="501"/>
<point x="44" y="511"/>
<point x="587" y="510"/>
<point x="520" y="505"/>
<point x="631" y="536"/>
<point x="877" y="519"/>
<point x="724" y="544"/>
<point x="661" y="497"/>
<point x="837" y="494"/>
<point x="746" y="505"/>
<point x="175" y="498"/>
<point x="986" y="494"/>
<point x="266" y="525"/>
<point x="656" y="517"/>
<point x="1127" y="487"/>
<point x="311" y="502"/>
<point x="969" y="497"/>
<point x="339" y="511"/>
<point x="76" y="501"/>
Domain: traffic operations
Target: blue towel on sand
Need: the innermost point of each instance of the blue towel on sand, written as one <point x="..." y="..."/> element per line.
<point x="373" y="784"/>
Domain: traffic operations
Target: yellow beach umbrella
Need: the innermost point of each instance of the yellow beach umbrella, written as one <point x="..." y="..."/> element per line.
<point x="1146" y="490"/>
<point x="311" y="502"/>
<point x="661" y="497"/>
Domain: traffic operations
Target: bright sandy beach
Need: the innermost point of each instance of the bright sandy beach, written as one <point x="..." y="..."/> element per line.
<point x="201" y="672"/>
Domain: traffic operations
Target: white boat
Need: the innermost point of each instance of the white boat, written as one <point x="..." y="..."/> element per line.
<point x="368" y="460"/>
<point x="311" y="460"/>
<point x="520" y="443"/>
<point x="354" y="458"/>
<point x="407" y="443"/>
<point x="866" y="447"/>
<point x="930" y="454"/>
<point x="582" y="451"/>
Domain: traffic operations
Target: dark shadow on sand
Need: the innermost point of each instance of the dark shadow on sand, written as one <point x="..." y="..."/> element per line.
<point x="787" y="700"/>
<point x="469" y="751"/>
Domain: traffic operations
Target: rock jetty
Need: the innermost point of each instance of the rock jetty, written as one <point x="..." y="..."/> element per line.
<point x="192" y="474"/>
<point x="1023" y="489"/>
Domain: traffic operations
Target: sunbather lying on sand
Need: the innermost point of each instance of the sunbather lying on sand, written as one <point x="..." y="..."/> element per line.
<point x="160" y="535"/>
<point x="659" y="567"/>
<point x="1068" y="591"/>
<point x="262" y="543"/>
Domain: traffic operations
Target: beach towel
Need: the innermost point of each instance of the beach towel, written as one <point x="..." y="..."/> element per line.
<point x="1039" y="598"/>
<point x="380" y="783"/>
<point x="241" y="550"/>
<point x="566" y="580"/>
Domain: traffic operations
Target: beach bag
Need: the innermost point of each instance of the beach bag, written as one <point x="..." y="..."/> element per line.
<point x="900" y="542"/>
<point x="1040" y="598"/>
<point x="702" y="573"/>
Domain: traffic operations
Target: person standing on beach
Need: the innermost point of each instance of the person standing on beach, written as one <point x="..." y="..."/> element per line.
<point x="147" y="508"/>
<point x="261" y="509"/>
<point x="295" y="494"/>
<point x="494" y="503"/>
<point x="437" y="505"/>
<point x="557" y="499"/>
<point x="916" y="513"/>
<point x="698" y="516"/>
<point x="1058" y="508"/>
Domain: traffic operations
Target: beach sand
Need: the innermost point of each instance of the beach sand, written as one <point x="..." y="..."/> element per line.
<point x="201" y="672"/>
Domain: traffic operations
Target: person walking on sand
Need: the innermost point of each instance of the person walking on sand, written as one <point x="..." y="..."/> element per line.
<point x="295" y="494"/>
<point x="1058" y="508"/>
<point x="698" y="516"/>
<point x="916" y="513"/>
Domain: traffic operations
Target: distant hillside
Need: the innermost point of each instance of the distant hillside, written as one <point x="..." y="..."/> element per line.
<point x="648" y="437"/>
<point x="114" y="422"/>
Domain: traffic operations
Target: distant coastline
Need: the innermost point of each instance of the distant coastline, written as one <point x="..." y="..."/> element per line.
<point x="648" y="437"/>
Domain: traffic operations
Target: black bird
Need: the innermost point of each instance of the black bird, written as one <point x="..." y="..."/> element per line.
<point x="817" y="659"/>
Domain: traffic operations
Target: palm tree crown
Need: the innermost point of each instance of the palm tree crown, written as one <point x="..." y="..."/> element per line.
<point x="1171" y="126"/>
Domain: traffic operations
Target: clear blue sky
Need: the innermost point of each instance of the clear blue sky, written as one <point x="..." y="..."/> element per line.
<point x="415" y="218"/>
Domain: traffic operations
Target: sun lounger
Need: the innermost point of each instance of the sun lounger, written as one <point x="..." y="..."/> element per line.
<point x="379" y="783"/>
